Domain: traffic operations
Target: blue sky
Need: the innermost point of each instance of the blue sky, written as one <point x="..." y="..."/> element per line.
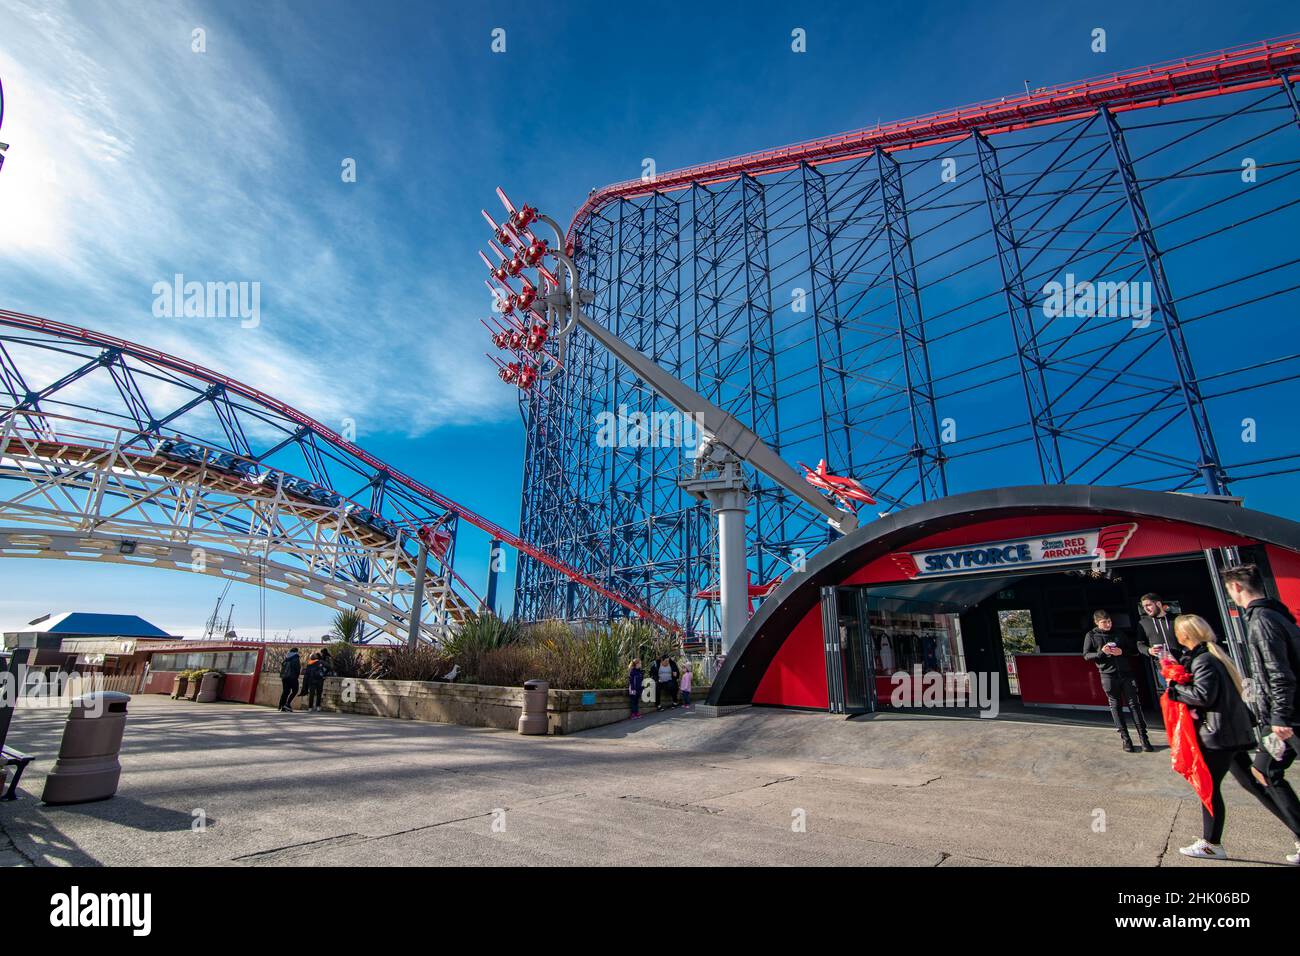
<point x="133" y="158"/>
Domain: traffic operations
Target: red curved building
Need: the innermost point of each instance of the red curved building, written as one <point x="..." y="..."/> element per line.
<point x="997" y="582"/>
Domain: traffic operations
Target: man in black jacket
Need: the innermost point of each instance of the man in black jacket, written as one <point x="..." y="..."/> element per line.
<point x="1273" y="640"/>
<point x="1156" y="634"/>
<point x="1113" y="653"/>
<point x="289" y="672"/>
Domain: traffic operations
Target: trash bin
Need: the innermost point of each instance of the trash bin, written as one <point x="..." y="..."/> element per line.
<point x="178" y="686"/>
<point x="209" y="687"/>
<point x="87" y="767"/>
<point x="532" y="720"/>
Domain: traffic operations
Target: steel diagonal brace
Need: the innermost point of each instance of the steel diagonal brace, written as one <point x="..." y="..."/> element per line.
<point x="722" y="428"/>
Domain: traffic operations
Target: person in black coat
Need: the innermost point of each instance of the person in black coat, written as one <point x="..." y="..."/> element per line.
<point x="1156" y="634"/>
<point x="1223" y="727"/>
<point x="1273" y="642"/>
<point x="289" y="672"/>
<point x="677" y="680"/>
<point x="1114" y="653"/>
<point x="652" y="674"/>
<point x="635" y="680"/>
<point x="313" y="683"/>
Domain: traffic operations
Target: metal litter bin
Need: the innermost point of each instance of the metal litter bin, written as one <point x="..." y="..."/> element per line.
<point x="87" y="767"/>
<point x="532" y="720"/>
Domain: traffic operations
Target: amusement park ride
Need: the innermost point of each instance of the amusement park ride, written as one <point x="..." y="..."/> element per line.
<point x="537" y="343"/>
<point x="918" y="297"/>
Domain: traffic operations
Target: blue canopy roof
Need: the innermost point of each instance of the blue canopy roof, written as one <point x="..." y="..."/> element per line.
<point x="83" y="623"/>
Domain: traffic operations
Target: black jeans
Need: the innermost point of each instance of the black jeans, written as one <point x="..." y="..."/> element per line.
<point x="1118" y="688"/>
<point x="1236" y="762"/>
<point x="314" y="692"/>
<point x="289" y="692"/>
<point x="1288" y="807"/>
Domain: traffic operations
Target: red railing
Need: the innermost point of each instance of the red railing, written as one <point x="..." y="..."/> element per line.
<point x="1252" y="66"/>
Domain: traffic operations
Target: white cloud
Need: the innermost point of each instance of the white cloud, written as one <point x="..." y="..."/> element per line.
<point x="133" y="158"/>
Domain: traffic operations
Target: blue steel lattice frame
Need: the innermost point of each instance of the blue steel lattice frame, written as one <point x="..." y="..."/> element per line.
<point x="863" y="308"/>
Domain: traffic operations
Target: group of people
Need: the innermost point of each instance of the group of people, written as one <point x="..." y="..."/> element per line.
<point x="312" y="675"/>
<point x="1225" y="707"/>
<point x="671" y="683"/>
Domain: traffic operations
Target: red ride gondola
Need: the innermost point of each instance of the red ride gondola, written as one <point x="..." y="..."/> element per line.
<point x="535" y="252"/>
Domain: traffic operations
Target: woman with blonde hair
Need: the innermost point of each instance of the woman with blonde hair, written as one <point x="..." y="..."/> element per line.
<point x="1223" y="727"/>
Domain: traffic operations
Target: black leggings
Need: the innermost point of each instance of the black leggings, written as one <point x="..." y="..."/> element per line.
<point x="1237" y="762"/>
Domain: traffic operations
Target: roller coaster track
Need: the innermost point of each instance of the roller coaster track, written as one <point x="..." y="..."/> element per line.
<point x="1254" y="66"/>
<point x="412" y="503"/>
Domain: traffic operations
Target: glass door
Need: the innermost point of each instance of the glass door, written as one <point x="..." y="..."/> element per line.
<point x="1017" y="630"/>
<point x="850" y="674"/>
<point x="859" y="669"/>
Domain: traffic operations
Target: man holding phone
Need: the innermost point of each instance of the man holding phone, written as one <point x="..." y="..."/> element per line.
<point x="1156" y="639"/>
<point x="1113" y="653"/>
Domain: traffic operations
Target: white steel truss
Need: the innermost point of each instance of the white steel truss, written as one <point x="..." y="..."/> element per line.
<point x="85" y="491"/>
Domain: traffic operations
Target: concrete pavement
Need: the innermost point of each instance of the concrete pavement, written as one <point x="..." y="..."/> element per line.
<point x="228" y="784"/>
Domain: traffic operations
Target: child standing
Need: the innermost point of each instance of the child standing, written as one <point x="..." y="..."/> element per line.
<point x="634" y="678"/>
<point x="686" y="685"/>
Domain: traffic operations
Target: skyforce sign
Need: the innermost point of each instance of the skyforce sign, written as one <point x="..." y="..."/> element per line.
<point x="1073" y="547"/>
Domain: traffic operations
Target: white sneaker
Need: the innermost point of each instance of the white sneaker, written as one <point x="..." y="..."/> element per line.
<point x="1294" y="858"/>
<point x="1204" y="850"/>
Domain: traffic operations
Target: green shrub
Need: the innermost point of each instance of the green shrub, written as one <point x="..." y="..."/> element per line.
<point x="350" y="660"/>
<point x="551" y="630"/>
<point x="400" y="662"/>
<point x="480" y="635"/>
<point x="506" y="666"/>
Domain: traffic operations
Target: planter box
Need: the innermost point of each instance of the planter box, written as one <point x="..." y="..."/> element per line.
<point x="470" y="705"/>
<point x="209" y="688"/>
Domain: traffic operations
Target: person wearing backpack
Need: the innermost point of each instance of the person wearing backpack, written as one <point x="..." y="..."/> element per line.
<point x="1273" y="642"/>
<point x="289" y="672"/>
<point x="313" y="682"/>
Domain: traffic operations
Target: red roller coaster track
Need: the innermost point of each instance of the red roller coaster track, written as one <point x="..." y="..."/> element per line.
<point x="63" y="330"/>
<point x="1234" y="70"/>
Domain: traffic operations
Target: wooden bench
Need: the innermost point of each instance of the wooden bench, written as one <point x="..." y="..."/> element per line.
<point x="14" y="758"/>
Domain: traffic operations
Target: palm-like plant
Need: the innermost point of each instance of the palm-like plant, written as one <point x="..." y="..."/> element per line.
<point x="347" y="627"/>
<point x="481" y="633"/>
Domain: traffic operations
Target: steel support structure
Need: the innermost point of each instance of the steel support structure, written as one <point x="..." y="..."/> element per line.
<point x="1035" y="289"/>
<point x="1021" y="306"/>
<point x="926" y="447"/>
<point x="1164" y="305"/>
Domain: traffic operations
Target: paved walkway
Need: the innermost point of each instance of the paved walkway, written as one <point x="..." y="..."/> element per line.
<point x="228" y="784"/>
